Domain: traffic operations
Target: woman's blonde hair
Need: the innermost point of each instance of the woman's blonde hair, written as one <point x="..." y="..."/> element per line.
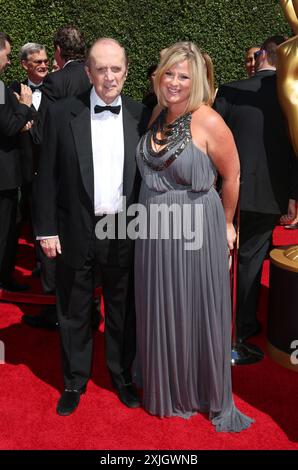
<point x="210" y="76"/>
<point x="178" y="52"/>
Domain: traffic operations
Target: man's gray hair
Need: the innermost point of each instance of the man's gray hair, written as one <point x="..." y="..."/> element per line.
<point x="30" y="48"/>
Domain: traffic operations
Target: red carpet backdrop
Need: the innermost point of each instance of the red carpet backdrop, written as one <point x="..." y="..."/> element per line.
<point x="31" y="384"/>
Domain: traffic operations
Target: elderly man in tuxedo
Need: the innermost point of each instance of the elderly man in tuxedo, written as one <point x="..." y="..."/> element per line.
<point x="14" y="116"/>
<point x="87" y="167"/>
<point x="268" y="178"/>
<point x="34" y="61"/>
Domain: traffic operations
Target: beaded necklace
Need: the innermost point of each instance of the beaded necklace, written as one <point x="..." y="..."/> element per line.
<point x="176" y="137"/>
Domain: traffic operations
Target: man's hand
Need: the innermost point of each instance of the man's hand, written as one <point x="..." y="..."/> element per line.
<point x="51" y="246"/>
<point x="25" y="96"/>
<point x="27" y="126"/>
<point x="291" y="214"/>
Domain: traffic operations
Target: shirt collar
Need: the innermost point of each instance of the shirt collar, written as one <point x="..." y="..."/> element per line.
<point x="30" y="83"/>
<point x="267" y="69"/>
<point x="68" y="62"/>
<point x="95" y="99"/>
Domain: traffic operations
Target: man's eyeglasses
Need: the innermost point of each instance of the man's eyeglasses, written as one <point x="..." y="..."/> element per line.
<point x="256" y="54"/>
<point x="40" y="61"/>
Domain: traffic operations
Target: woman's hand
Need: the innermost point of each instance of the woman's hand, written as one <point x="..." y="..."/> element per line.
<point x="231" y="235"/>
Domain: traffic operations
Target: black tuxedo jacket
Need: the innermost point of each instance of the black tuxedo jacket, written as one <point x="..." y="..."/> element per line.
<point x="65" y="182"/>
<point x="268" y="168"/>
<point x="30" y="149"/>
<point x="13" y="117"/>
<point x="72" y="80"/>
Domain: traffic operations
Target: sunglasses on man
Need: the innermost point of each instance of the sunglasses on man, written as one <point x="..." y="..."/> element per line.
<point x="40" y="61"/>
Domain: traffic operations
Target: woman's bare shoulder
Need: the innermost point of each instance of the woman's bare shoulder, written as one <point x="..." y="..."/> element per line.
<point x="206" y="116"/>
<point x="208" y="124"/>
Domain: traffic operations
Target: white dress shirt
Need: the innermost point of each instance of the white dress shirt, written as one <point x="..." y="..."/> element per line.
<point x="36" y="95"/>
<point x="108" y="156"/>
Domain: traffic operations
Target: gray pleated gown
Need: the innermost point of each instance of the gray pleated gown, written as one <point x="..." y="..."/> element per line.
<point x="183" y="307"/>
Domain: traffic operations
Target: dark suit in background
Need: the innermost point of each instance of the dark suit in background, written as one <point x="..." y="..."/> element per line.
<point x="68" y="81"/>
<point x="30" y="150"/>
<point x="71" y="80"/>
<point x="251" y="110"/>
<point x="13" y="117"/>
<point x="29" y="153"/>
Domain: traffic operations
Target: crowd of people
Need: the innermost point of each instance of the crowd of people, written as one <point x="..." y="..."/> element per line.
<point x="143" y="196"/>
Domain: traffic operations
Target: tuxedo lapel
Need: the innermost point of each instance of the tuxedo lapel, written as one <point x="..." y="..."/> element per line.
<point x="81" y="129"/>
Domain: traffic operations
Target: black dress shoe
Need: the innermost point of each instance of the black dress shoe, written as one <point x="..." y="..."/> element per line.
<point x="128" y="396"/>
<point x="69" y="401"/>
<point x="13" y="286"/>
<point x="40" y="321"/>
<point x="244" y="353"/>
<point x="252" y="348"/>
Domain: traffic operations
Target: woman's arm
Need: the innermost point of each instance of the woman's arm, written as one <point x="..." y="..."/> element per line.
<point x="221" y="148"/>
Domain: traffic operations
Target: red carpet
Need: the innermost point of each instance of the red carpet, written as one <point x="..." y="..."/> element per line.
<point x="31" y="384"/>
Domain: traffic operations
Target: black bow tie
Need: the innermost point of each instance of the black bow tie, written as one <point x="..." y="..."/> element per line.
<point x="33" y="88"/>
<point x="112" y="109"/>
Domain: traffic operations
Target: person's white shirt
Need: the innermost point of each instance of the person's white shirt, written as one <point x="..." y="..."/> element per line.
<point x="108" y="156"/>
<point x="36" y="94"/>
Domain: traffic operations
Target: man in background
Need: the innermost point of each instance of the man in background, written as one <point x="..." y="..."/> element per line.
<point x="250" y="60"/>
<point x="34" y="60"/>
<point x="15" y="116"/>
<point x="268" y="176"/>
<point x="71" y="79"/>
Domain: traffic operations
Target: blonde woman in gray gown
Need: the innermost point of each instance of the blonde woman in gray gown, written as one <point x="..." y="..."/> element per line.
<point x="181" y="264"/>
